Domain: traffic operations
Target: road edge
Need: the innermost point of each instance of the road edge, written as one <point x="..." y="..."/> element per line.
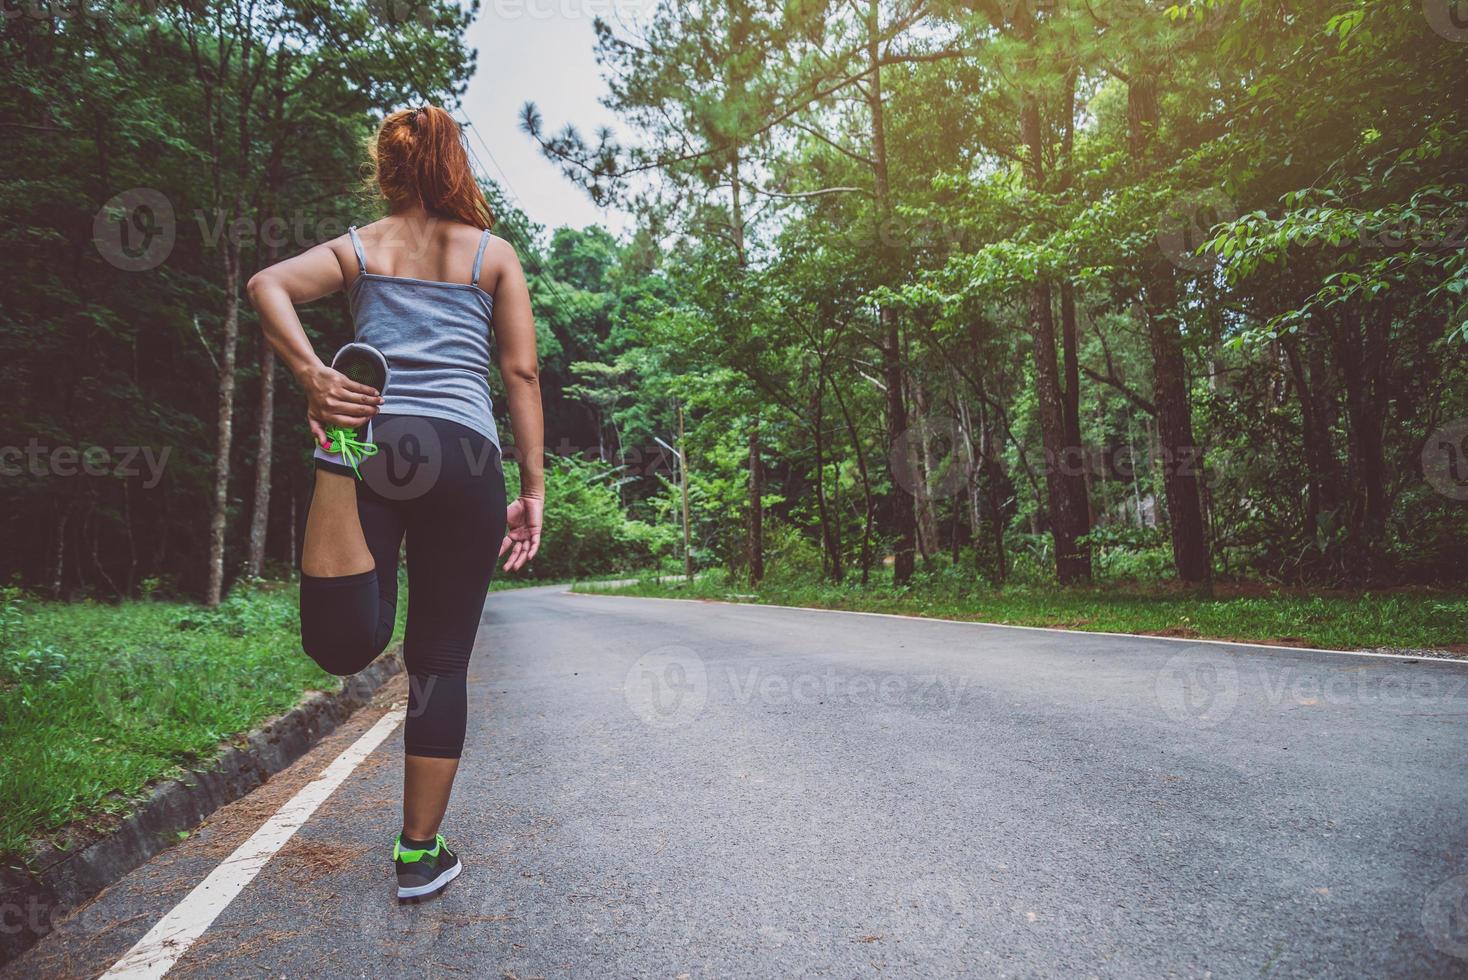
<point x="58" y="879"/>
<point x="1272" y="647"/>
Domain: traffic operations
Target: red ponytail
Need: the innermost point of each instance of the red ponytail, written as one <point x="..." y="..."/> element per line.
<point x="418" y="158"/>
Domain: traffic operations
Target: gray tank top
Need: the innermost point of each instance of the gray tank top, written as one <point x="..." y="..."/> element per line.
<point x="436" y="338"/>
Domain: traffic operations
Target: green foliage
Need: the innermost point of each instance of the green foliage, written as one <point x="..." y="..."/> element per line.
<point x="587" y="532"/>
<point x="1414" y="621"/>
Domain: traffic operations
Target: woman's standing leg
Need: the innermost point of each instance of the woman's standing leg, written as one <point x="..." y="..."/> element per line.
<point x="454" y="534"/>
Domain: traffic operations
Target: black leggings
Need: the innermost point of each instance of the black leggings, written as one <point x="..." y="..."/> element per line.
<point x="441" y="484"/>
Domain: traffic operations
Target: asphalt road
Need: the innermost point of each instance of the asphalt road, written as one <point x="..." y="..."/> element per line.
<point x="662" y="788"/>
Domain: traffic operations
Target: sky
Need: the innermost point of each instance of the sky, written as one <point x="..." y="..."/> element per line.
<point x="540" y="51"/>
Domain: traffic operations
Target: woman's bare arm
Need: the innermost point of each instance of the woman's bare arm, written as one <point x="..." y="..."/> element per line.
<point x="332" y="398"/>
<point x="514" y="333"/>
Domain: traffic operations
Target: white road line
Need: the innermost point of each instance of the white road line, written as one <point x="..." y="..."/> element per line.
<point x="157" y="952"/>
<point x="1273" y="647"/>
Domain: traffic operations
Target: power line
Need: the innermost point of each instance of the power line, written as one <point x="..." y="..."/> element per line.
<point x="547" y="278"/>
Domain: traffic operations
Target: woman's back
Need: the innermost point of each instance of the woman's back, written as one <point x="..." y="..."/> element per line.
<point x="417" y="294"/>
<point x="435" y="249"/>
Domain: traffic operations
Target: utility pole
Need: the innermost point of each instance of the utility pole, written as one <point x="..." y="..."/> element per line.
<point x="683" y="480"/>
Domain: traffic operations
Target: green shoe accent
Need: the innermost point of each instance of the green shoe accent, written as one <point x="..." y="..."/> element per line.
<point x="352" y="449"/>
<point x="399" y="854"/>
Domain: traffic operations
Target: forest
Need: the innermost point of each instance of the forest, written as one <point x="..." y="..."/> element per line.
<point x="1061" y="293"/>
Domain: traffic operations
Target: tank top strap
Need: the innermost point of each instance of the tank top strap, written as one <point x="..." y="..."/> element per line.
<point x="357" y="247"/>
<point x="479" y="257"/>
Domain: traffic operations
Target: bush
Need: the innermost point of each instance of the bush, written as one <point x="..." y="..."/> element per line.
<point x="790" y="556"/>
<point x="586" y="531"/>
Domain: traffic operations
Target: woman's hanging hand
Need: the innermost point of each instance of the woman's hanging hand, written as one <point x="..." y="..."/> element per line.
<point x="522" y="532"/>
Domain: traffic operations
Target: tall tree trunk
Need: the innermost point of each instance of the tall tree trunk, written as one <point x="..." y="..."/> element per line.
<point x="830" y="539"/>
<point x="866" y="487"/>
<point x="920" y="460"/>
<point x="756" y="530"/>
<point x="225" y="434"/>
<point x="265" y="447"/>
<point x="1182" y="457"/>
<point x="1064" y="482"/>
<point x="892" y="374"/>
<point x="265" y="424"/>
<point x="1359" y="339"/>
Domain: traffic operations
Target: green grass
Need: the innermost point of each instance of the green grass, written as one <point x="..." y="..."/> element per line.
<point x="1334" y="621"/>
<point x="98" y="700"/>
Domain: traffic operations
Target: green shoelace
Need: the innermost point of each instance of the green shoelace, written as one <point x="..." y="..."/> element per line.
<point x="352" y="449"/>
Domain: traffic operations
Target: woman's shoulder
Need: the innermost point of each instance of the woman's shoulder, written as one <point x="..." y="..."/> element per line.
<point x="500" y="258"/>
<point x="500" y="250"/>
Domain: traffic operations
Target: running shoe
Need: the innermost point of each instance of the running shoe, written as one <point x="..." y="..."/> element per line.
<point x="424" y="871"/>
<point x="364" y="364"/>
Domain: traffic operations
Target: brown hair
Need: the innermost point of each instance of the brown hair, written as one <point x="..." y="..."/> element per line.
<point x="418" y="157"/>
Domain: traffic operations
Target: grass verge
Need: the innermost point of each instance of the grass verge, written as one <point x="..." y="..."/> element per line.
<point x="1398" y="620"/>
<point x="97" y="701"/>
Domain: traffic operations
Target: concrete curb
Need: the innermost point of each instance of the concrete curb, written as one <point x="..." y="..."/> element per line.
<point x="58" y="878"/>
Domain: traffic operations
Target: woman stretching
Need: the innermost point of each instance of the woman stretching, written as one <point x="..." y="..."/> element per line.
<point x="406" y="446"/>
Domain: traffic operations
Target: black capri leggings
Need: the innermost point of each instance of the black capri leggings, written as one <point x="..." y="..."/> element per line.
<point x="442" y="485"/>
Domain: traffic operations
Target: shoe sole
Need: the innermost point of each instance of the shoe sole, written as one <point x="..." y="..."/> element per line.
<point x="372" y="352"/>
<point x="433" y="887"/>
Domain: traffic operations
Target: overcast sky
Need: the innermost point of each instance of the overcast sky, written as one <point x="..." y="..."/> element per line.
<point x="540" y="51"/>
